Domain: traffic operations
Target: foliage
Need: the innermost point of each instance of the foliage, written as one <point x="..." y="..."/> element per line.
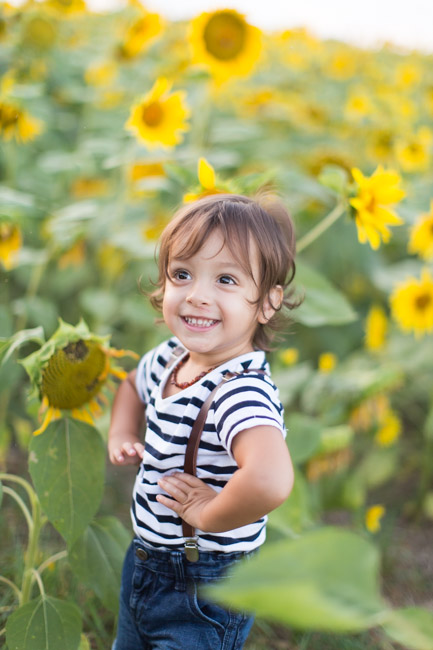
<point x="108" y="123"/>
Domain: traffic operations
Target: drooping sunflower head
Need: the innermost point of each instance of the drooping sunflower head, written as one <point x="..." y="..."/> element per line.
<point x="70" y="370"/>
<point x="224" y="42"/>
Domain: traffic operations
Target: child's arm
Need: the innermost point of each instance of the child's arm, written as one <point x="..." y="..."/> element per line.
<point x="127" y="415"/>
<point x="263" y="482"/>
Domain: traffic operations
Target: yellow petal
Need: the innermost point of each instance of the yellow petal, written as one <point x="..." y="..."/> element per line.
<point x="206" y="174"/>
<point x="82" y="415"/>
<point x="117" y="372"/>
<point x="51" y="414"/>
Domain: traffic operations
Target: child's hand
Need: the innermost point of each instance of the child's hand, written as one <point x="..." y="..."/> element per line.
<point x="189" y="495"/>
<point x="127" y="454"/>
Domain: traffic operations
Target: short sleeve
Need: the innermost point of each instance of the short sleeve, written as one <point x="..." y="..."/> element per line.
<point x="246" y="402"/>
<point x="151" y="367"/>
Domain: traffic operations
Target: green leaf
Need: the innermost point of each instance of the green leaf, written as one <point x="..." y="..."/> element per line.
<point x="322" y="304"/>
<point x="67" y="467"/>
<point x="325" y="580"/>
<point x="1" y="493"/>
<point x="97" y="558"/>
<point x="411" y="627"/>
<point x="100" y="303"/>
<point x="303" y="436"/>
<point x="294" y="516"/>
<point x="8" y="346"/>
<point x="45" y="623"/>
<point x="335" y="438"/>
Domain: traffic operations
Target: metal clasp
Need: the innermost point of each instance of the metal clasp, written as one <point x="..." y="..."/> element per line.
<point x="191" y="550"/>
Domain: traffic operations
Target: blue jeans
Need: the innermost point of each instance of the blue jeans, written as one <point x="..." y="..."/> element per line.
<point x="159" y="608"/>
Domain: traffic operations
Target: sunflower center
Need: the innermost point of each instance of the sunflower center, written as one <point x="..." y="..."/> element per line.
<point x="6" y="232"/>
<point x="73" y="375"/>
<point x="8" y="115"/>
<point x="224" y="35"/>
<point x="414" y="149"/>
<point x="152" y="114"/>
<point x="423" y="301"/>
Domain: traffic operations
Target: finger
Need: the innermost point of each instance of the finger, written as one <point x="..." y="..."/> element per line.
<point x="117" y="456"/>
<point x="169" y="503"/>
<point x="139" y="448"/>
<point x="174" y="488"/>
<point x="187" y="479"/>
<point x="128" y="448"/>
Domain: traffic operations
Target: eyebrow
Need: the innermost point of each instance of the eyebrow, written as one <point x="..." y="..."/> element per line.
<point x="225" y="264"/>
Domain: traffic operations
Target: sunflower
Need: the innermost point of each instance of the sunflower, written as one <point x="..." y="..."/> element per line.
<point x="289" y="356"/>
<point x="372" y="518"/>
<point x="375" y="195"/>
<point x="327" y="362"/>
<point x="376" y="327"/>
<point x="413" y="153"/>
<point x="225" y="43"/>
<point x="101" y="73"/>
<point x="208" y="183"/>
<point x="10" y="244"/>
<point x="69" y="372"/>
<point x="412" y="304"/>
<point x="389" y="430"/>
<point x="15" y="123"/>
<point x="66" y="8"/>
<point x="421" y="236"/>
<point x="144" y="178"/>
<point x="158" y="118"/>
<point x="141" y="34"/>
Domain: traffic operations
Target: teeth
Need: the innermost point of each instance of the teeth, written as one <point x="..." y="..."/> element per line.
<point x="201" y="322"/>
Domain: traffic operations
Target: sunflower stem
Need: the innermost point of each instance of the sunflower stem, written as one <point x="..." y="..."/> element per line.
<point x="16" y="497"/>
<point x="321" y="227"/>
<point x="12" y="585"/>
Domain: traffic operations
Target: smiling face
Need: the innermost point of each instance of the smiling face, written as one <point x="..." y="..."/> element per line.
<point x="210" y="303"/>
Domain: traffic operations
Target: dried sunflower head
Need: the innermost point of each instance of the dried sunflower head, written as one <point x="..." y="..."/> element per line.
<point x="70" y="371"/>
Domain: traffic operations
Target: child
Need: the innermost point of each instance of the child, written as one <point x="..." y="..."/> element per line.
<point x="225" y="264"/>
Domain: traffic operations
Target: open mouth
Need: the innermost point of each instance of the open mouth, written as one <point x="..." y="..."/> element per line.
<point x="202" y="323"/>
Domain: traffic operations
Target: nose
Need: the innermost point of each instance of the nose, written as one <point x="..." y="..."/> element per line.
<point x="198" y="295"/>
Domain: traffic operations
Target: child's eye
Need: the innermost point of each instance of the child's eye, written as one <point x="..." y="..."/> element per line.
<point x="226" y="279"/>
<point x="181" y="274"/>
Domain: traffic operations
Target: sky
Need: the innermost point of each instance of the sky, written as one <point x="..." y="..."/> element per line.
<point x="407" y="23"/>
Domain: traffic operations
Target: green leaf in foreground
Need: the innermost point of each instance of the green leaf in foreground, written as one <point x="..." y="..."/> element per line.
<point x="323" y="304"/>
<point x="325" y="580"/>
<point x="303" y="436"/>
<point x="97" y="558"/>
<point x="67" y="464"/>
<point x="411" y="627"/>
<point x="44" y="624"/>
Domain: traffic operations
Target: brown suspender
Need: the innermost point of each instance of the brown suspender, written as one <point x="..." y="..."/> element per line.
<point x="189" y="467"/>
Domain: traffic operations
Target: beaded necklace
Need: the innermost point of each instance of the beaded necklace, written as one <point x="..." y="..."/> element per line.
<point x="186" y="384"/>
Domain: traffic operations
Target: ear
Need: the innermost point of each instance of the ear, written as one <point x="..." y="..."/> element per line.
<point x="271" y="303"/>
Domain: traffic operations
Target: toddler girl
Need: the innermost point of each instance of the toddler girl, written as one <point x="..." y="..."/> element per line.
<point x="225" y="266"/>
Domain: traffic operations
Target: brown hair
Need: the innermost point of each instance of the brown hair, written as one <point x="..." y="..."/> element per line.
<point x="240" y="220"/>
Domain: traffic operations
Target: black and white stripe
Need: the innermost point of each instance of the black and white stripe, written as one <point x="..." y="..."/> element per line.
<point x="243" y="402"/>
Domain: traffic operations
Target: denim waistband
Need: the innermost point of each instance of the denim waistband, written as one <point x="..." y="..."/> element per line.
<point x="210" y="564"/>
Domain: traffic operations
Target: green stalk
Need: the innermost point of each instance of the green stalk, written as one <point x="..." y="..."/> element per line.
<point x="32" y="550"/>
<point x="321" y="227"/>
<point x="35" y="521"/>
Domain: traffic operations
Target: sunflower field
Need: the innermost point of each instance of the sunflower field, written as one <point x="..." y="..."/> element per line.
<point x="108" y="123"/>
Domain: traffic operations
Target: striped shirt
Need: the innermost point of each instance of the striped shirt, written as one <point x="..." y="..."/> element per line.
<point x="241" y="403"/>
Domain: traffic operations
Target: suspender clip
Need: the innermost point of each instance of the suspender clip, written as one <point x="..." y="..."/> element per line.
<point x="191" y="549"/>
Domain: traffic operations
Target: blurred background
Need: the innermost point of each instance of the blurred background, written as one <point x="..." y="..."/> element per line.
<point x="114" y="115"/>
